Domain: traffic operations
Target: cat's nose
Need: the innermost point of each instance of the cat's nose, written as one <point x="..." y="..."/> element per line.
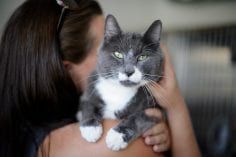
<point x="129" y="73"/>
<point x="129" y="70"/>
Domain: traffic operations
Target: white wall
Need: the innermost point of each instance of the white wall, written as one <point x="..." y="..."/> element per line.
<point x="6" y="9"/>
<point x="137" y="15"/>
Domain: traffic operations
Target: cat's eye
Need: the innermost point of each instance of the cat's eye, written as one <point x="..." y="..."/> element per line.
<point x="118" y="55"/>
<point x="142" y="57"/>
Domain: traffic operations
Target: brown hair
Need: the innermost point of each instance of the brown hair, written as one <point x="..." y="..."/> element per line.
<point x="74" y="35"/>
<point x="36" y="90"/>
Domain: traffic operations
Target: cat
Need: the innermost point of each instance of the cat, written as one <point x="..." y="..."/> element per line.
<point x="118" y="88"/>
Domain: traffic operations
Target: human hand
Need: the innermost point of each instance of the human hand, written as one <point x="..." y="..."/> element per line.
<point x="158" y="136"/>
<point x="167" y="91"/>
<point x="168" y="95"/>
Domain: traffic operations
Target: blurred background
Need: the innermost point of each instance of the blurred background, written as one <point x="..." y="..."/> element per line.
<point x="201" y="36"/>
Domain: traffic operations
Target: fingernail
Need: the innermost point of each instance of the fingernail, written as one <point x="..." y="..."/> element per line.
<point x="145" y="134"/>
<point x="147" y="140"/>
<point x="147" y="111"/>
<point x="155" y="148"/>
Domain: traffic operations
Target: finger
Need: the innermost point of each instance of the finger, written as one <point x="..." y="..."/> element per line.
<point x="161" y="147"/>
<point x="156" y="140"/>
<point x="153" y="112"/>
<point x="166" y="53"/>
<point x="168" y="67"/>
<point x="155" y="130"/>
<point x="160" y="93"/>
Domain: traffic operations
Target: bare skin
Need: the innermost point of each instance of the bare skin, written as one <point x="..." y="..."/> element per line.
<point x="67" y="141"/>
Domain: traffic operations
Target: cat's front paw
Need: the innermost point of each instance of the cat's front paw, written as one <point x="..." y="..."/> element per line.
<point x="91" y="133"/>
<point x="115" y="140"/>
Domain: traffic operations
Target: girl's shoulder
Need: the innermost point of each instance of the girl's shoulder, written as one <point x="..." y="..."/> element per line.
<point x="67" y="141"/>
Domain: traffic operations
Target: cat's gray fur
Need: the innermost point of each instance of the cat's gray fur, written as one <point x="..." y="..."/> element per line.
<point x="116" y="89"/>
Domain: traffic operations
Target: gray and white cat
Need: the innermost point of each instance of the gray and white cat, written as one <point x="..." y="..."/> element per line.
<point x="117" y="89"/>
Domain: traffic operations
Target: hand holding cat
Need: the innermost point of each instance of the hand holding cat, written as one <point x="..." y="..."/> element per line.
<point x="168" y="95"/>
<point x="158" y="135"/>
<point x="167" y="91"/>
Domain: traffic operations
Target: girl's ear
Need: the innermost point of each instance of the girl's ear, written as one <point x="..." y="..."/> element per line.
<point x="67" y="64"/>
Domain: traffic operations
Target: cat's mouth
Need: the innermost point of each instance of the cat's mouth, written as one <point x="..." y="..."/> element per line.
<point x="128" y="83"/>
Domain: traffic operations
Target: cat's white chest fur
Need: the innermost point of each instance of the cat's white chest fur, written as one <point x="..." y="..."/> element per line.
<point x="115" y="96"/>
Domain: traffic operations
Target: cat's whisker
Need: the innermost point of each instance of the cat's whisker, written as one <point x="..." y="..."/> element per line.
<point x="100" y="73"/>
<point x="152" y="75"/>
<point x="92" y="82"/>
<point x="156" y="85"/>
<point x="104" y="73"/>
<point x="152" y="97"/>
<point x="93" y="75"/>
<point x="146" y="94"/>
<point x="92" y="92"/>
<point x="108" y="75"/>
<point x="95" y="81"/>
<point x="161" y="76"/>
<point x="161" y="98"/>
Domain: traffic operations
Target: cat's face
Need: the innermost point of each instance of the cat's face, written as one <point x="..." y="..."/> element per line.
<point x="130" y="59"/>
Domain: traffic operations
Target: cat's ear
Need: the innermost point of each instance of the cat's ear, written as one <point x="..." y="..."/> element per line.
<point x="112" y="27"/>
<point x="153" y="34"/>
